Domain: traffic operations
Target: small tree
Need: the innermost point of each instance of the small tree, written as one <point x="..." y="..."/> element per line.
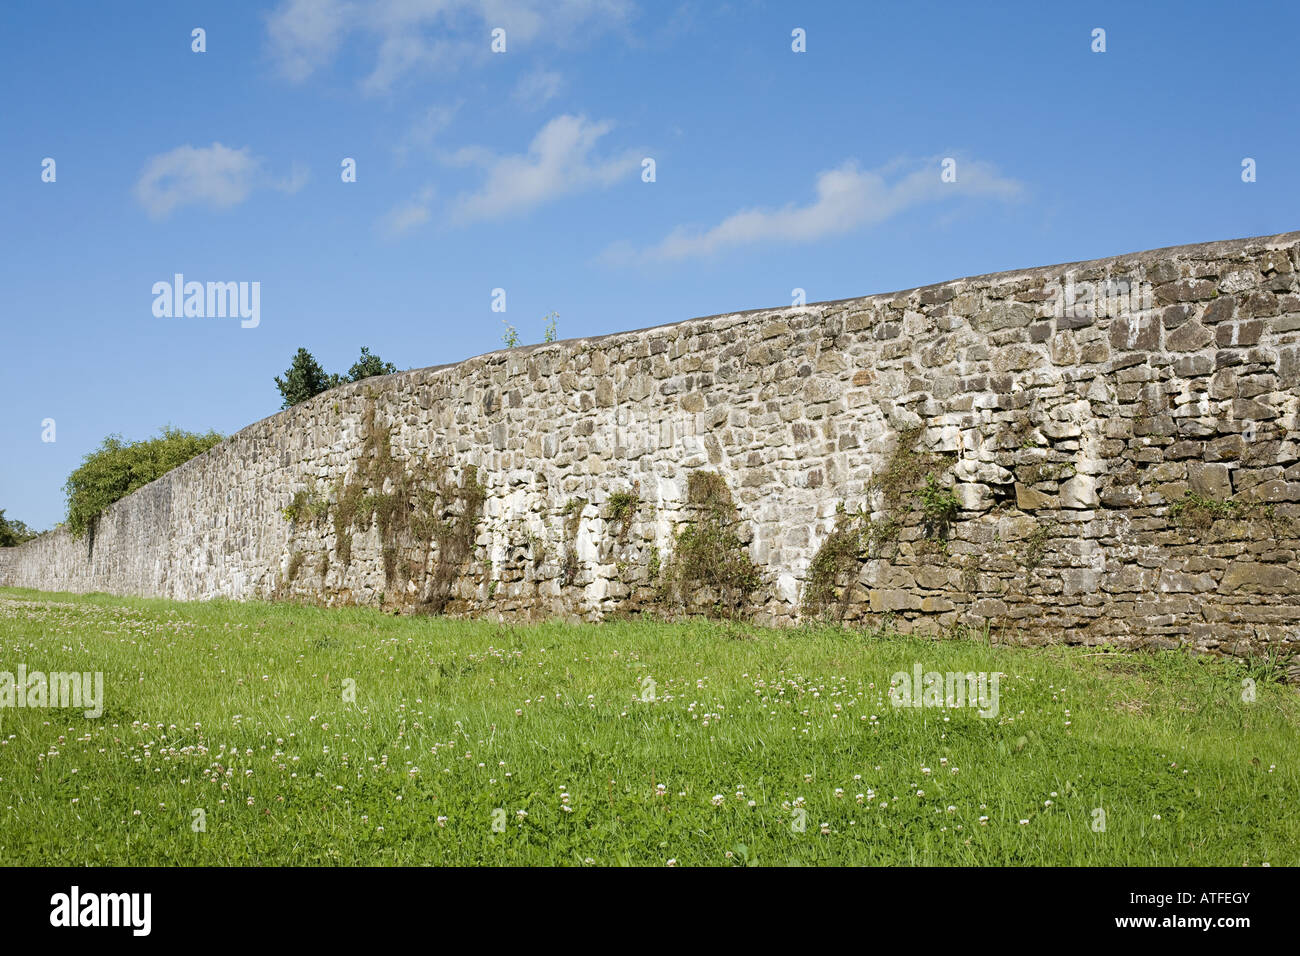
<point x="369" y="366"/>
<point x="303" y="379"/>
<point x="306" y="379"/>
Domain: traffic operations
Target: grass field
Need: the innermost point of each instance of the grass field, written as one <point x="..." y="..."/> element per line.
<point x="622" y="743"/>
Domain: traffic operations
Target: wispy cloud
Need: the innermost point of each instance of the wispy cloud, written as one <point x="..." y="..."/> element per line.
<point x="304" y="34"/>
<point x="846" y="198"/>
<point x="560" y="160"/>
<point x="406" y="37"/>
<point x="423" y="134"/>
<point x="408" y="215"/>
<point x="215" y="176"/>
<point x="534" y="90"/>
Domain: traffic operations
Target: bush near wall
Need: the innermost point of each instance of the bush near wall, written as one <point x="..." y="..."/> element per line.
<point x="117" y="468"/>
<point x="13" y="532"/>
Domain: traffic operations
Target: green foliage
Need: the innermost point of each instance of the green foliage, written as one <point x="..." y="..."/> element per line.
<point x="305" y="378"/>
<point x="117" y="468"/>
<point x="906" y="468"/>
<point x="415" y="506"/>
<point x="1031" y="555"/>
<point x="622" y="505"/>
<point x="368" y="366"/>
<point x="833" y="567"/>
<point x="1200" y="512"/>
<point x="569" y="566"/>
<point x="708" y="554"/>
<point x="307" y="506"/>
<point x="940" y="507"/>
<point x="858" y="536"/>
<point x="14" y="532"/>
<point x="510" y="336"/>
<point x="1196" y="513"/>
<point x="549" y="335"/>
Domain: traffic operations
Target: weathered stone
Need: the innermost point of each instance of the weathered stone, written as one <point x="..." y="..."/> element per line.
<point x="1079" y="492"/>
<point x="1139" y="332"/>
<point x="1190" y="337"/>
<point x="1028" y="499"/>
<point x="1239" y="333"/>
<point x="1251" y="577"/>
<point x="1174" y="581"/>
<point x="894" y="600"/>
<point x="1209" y="480"/>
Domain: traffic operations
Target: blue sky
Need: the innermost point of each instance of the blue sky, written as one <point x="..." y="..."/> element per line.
<point x="522" y="170"/>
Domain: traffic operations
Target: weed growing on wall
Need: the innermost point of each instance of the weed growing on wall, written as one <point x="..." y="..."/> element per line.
<point x="710" y="568"/>
<point x="1035" y="546"/>
<point x="835" y="566"/>
<point x="908" y="483"/>
<point x="621" y="509"/>
<point x="420" y="509"/>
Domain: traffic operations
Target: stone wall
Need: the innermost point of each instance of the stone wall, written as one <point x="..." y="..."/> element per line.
<point x="1106" y="451"/>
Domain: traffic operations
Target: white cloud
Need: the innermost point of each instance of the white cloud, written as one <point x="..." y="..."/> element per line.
<point x="534" y="90"/>
<point x="306" y="33"/>
<point x="424" y="132"/>
<point x="408" y="215"/>
<point x="215" y="176"/>
<point x="409" y="36"/>
<point x="559" y="161"/>
<point x="847" y="198"/>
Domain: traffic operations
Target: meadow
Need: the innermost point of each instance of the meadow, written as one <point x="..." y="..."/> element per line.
<point x="246" y="734"/>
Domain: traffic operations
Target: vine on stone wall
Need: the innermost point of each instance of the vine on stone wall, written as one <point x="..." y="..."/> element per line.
<point x="710" y="569"/>
<point x="419" y="507"/>
<point x="909" y="483"/>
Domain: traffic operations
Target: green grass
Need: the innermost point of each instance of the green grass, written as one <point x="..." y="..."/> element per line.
<point x="238" y="710"/>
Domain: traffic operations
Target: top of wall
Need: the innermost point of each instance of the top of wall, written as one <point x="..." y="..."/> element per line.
<point x="1218" y="249"/>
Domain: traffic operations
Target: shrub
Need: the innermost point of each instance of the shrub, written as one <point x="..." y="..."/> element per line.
<point x="117" y="468"/>
<point x="13" y="532"/>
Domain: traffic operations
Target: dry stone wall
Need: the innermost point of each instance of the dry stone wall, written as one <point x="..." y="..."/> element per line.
<point x="1106" y="451"/>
